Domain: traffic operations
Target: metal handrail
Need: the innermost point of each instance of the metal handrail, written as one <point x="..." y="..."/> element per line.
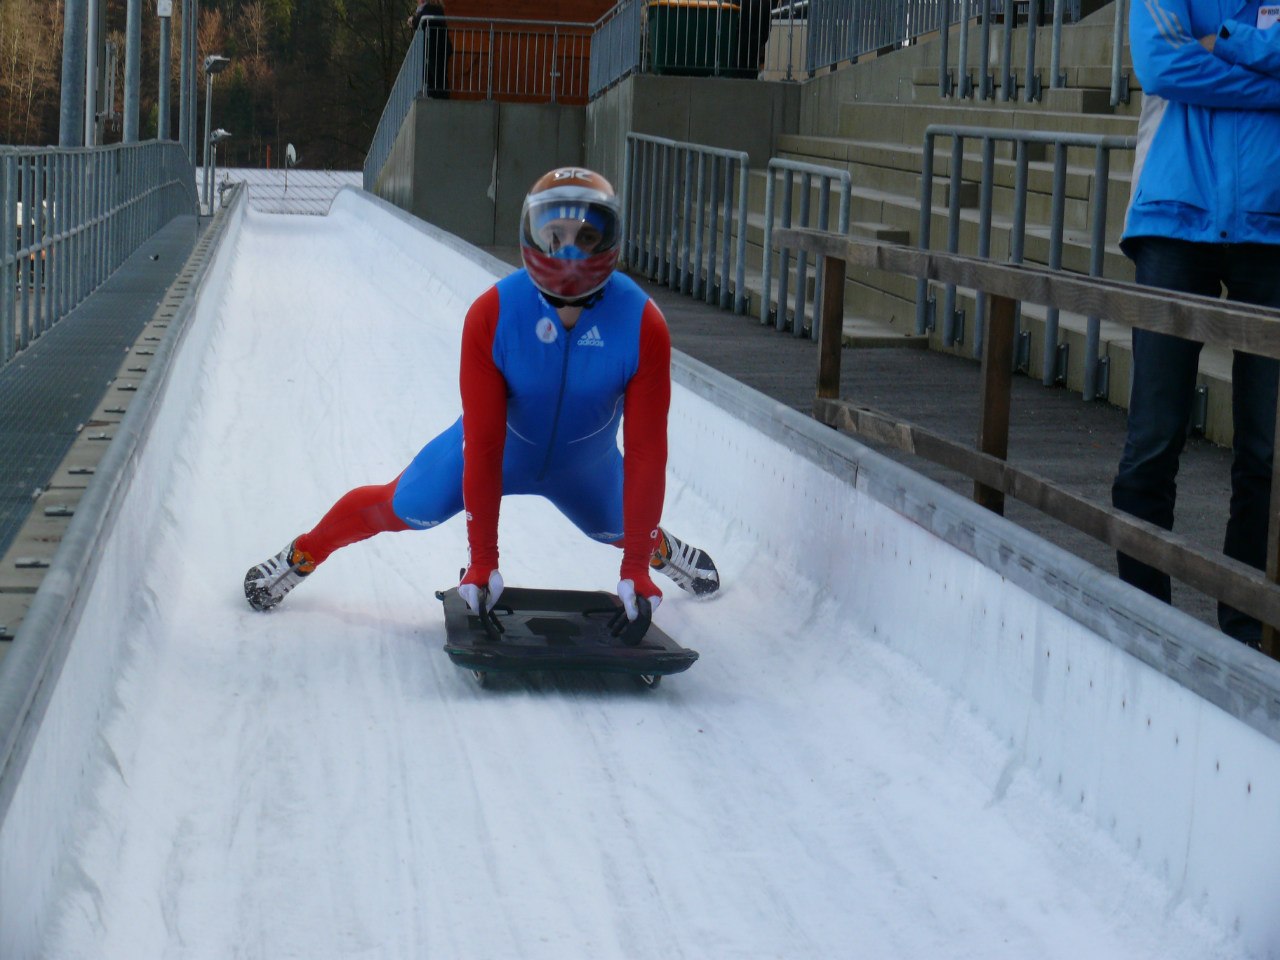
<point x="986" y="88"/>
<point x="1102" y="146"/>
<point x="679" y="215"/>
<point x="789" y="169"/>
<point x="69" y="216"/>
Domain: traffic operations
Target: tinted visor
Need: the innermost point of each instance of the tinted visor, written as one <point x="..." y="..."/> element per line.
<point x="569" y="228"/>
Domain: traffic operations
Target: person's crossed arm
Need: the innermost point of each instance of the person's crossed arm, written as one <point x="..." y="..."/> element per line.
<point x="1250" y="45"/>
<point x="1181" y="55"/>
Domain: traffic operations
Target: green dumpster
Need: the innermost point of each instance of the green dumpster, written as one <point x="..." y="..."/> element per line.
<point x="695" y="38"/>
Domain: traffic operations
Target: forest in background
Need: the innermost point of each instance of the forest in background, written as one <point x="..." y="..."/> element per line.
<point x="314" y="73"/>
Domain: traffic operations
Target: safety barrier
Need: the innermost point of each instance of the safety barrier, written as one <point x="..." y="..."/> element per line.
<point x="953" y="322"/>
<point x="70" y="216"/>
<point x="1007" y="89"/>
<point x="807" y="172"/>
<point x="680" y="213"/>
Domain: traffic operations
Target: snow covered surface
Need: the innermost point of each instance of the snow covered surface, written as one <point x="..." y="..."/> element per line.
<point x="885" y="751"/>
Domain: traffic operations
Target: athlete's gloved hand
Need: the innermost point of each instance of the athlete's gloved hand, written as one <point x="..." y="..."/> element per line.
<point x="638" y="585"/>
<point x="480" y="589"/>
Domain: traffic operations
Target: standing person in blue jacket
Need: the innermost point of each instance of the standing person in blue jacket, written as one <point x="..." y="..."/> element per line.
<point x="1204" y="216"/>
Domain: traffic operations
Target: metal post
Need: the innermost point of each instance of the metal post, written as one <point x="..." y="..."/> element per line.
<point x="831" y="324"/>
<point x="965" y="87"/>
<point x="8" y="257"/>
<point x="1017" y="243"/>
<point x="132" y="68"/>
<point x="91" y="75"/>
<point x="1097" y="255"/>
<point x="944" y="72"/>
<point x="1032" y="90"/>
<point x="1119" y="86"/>
<point x="727" y="202"/>
<point x="1008" y="85"/>
<point x="213" y="65"/>
<point x="192" y="79"/>
<point x="1057" y="79"/>
<point x="184" y="73"/>
<point x="710" y="293"/>
<point x="739" y="276"/>
<point x="767" y="281"/>
<point x="162" y="81"/>
<point x="784" y="258"/>
<point x="986" y="81"/>
<point x="984" y="237"/>
<point x="922" y="233"/>
<point x="1059" y="200"/>
<point x="699" y="212"/>
<point x="628" y="202"/>
<point x="802" y="259"/>
<point x="71" y="105"/>
<point x="950" y="331"/>
<point x="208" y="102"/>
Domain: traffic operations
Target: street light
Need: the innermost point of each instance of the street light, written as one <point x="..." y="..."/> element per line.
<point x="213" y="64"/>
<point x="215" y="138"/>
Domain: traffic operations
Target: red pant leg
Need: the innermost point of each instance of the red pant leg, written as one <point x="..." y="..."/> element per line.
<point x="357" y="516"/>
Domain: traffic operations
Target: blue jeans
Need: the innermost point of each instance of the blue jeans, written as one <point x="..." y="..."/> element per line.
<point x="1164" y="381"/>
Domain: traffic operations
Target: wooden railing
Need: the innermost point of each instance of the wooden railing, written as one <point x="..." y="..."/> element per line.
<point x="1239" y="326"/>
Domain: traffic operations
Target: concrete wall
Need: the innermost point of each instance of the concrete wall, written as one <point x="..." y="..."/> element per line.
<point x="465" y="165"/>
<point x="732" y="114"/>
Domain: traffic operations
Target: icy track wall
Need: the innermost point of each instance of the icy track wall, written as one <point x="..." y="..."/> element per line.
<point x="1039" y="644"/>
<point x="90" y="583"/>
<point x="1066" y="665"/>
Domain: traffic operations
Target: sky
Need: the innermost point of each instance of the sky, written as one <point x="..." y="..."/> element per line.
<point x="321" y="781"/>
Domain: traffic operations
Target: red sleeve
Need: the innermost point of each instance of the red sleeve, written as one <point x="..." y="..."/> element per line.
<point x="484" y="430"/>
<point x="644" y="439"/>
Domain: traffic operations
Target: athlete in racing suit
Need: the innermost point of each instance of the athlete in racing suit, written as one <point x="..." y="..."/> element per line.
<point x="554" y="358"/>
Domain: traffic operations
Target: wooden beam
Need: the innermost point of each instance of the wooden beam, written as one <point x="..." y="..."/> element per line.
<point x="832" y="327"/>
<point x="997" y="389"/>
<point x="1219" y="576"/>
<point x="1236" y="325"/>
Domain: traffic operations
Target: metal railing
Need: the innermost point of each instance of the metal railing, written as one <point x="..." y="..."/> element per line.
<point x="1054" y="356"/>
<point x="985" y="11"/>
<point x="528" y="61"/>
<point x="768" y="38"/>
<point x="70" y="216"/>
<point x="679" y="214"/>
<point x="464" y="58"/>
<point x="745" y="39"/>
<point x="789" y="170"/>
<point x="408" y="85"/>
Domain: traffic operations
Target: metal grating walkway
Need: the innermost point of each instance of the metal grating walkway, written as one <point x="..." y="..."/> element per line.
<point x="49" y="391"/>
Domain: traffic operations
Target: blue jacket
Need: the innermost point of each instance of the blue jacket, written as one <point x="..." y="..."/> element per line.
<point x="1209" y="133"/>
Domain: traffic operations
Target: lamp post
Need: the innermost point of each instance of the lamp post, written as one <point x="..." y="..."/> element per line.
<point x="213" y="65"/>
<point x="215" y="138"/>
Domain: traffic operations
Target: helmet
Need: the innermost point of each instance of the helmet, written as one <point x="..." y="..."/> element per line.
<point x="570" y="231"/>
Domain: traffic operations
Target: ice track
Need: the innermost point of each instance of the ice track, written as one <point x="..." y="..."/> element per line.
<point x="320" y="782"/>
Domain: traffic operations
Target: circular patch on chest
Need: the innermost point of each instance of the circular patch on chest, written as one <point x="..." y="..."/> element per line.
<point x="546" y="330"/>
